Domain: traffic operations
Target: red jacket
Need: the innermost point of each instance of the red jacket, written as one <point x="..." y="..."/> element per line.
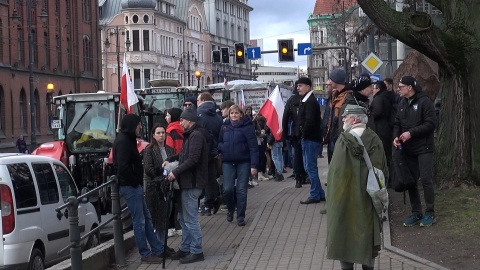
<point x="175" y="136"/>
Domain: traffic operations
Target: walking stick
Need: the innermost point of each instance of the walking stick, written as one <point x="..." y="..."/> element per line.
<point x="168" y="197"/>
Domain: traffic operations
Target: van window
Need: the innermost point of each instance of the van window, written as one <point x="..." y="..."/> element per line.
<point x="47" y="184"/>
<point x="67" y="186"/>
<point x="23" y="186"/>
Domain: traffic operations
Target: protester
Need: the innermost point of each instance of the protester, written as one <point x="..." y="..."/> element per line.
<point x="238" y="145"/>
<point x="174" y="129"/>
<point x="252" y="182"/>
<point x="153" y="157"/>
<point x="128" y="165"/>
<point x="353" y="226"/>
<point x="309" y="119"/>
<point x="190" y="102"/>
<point x="192" y="179"/>
<point x="325" y="119"/>
<point x="21" y="145"/>
<point x="212" y="122"/>
<point x="413" y="131"/>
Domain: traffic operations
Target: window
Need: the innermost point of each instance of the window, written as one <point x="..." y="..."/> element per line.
<point x="87" y="54"/>
<point x="146" y="77"/>
<point x="35" y="47"/>
<point x="69" y="54"/>
<point x="67" y="2"/>
<point x="146" y="40"/>
<point x="67" y="186"/>
<point x="47" y="184"/>
<point x="23" y="111"/>
<point x="21" y="45"/>
<point x="59" y="51"/>
<point x="1" y="40"/>
<point x="145" y="18"/>
<point x="86" y="10"/>
<point x="23" y="186"/>
<point x="57" y="7"/>
<point x="136" y="40"/>
<point x="136" y="79"/>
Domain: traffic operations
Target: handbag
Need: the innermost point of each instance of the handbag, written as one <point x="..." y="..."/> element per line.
<point x="375" y="182"/>
<point x="401" y="178"/>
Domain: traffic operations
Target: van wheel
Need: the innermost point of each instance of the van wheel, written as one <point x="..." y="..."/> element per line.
<point x="93" y="241"/>
<point x="36" y="260"/>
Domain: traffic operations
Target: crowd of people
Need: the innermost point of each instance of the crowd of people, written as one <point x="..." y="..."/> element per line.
<point x="218" y="152"/>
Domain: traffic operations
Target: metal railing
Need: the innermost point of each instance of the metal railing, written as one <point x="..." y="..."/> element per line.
<point x="74" y="231"/>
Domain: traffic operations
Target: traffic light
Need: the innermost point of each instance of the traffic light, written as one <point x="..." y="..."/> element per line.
<point x="216" y="57"/>
<point x="239" y="53"/>
<point x="285" y="50"/>
<point x="225" y="55"/>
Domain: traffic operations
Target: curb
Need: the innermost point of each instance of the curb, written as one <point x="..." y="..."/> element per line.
<point x="387" y="245"/>
<point x="100" y="257"/>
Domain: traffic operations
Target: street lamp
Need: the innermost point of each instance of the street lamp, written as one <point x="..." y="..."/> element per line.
<point x="16" y="19"/>
<point x="115" y="31"/>
<point x="198" y="74"/>
<point x="181" y="65"/>
<point x="50" y="90"/>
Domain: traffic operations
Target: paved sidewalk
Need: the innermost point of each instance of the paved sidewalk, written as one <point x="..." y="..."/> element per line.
<point x="280" y="234"/>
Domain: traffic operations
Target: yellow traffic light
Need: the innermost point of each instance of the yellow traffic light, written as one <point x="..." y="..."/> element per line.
<point x="284" y="50"/>
<point x="239" y="53"/>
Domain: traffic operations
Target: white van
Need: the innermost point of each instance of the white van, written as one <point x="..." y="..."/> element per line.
<point x="31" y="188"/>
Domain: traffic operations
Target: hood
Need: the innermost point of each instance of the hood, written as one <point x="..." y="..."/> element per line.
<point x="175" y="126"/>
<point x="207" y="108"/>
<point x="129" y="124"/>
<point x="419" y="95"/>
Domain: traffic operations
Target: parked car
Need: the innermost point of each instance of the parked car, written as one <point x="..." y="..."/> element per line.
<point x="31" y="188"/>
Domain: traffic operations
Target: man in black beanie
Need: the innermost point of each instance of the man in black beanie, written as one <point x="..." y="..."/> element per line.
<point x="192" y="179"/>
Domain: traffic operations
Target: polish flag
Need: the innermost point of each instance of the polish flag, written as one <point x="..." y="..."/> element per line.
<point x="272" y="110"/>
<point x="242" y="100"/>
<point x="127" y="95"/>
<point x="225" y="82"/>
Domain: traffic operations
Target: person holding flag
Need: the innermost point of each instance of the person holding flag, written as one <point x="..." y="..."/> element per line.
<point x="310" y="130"/>
<point x="128" y="98"/>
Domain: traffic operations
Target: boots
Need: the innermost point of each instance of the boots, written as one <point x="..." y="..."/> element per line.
<point x="298" y="182"/>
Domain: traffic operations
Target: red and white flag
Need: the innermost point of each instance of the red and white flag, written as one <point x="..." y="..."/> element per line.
<point x="127" y="95"/>
<point x="242" y="100"/>
<point x="225" y="82"/>
<point x="272" y="110"/>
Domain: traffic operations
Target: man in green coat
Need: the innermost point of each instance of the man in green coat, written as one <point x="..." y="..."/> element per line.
<point x="353" y="226"/>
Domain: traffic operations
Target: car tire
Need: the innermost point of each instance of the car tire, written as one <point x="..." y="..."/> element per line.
<point x="36" y="261"/>
<point x="93" y="240"/>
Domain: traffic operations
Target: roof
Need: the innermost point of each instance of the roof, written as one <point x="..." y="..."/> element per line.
<point x="324" y="7"/>
<point x="110" y="8"/>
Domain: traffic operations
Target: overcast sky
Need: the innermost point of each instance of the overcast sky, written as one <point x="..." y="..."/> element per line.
<point x="280" y="19"/>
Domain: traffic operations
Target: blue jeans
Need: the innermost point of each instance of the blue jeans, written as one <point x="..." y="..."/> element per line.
<point x="142" y="221"/>
<point x="277" y="156"/>
<point x="188" y="219"/>
<point x="310" y="154"/>
<point x="240" y="172"/>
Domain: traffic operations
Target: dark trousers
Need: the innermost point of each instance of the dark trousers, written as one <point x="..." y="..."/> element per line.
<point x="421" y="166"/>
<point x="298" y="160"/>
<point x="262" y="159"/>
<point x="330" y="147"/>
<point x="212" y="189"/>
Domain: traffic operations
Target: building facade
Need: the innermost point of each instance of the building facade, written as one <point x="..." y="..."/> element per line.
<point x="63" y="50"/>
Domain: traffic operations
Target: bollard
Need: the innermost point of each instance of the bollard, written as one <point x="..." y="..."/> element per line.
<point x="117" y="224"/>
<point x="76" y="249"/>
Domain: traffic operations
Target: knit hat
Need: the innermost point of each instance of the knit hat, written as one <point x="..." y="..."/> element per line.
<point x="359" y="84"/>
<point x="189" y="114"/>
<point x="175" y="114"/>
<point x="409" y="80"/>
<point x="338" y="76"/>
<point x="193" y="100"/>
<point x="304" y="80"/>
<point x="354" y="109"/>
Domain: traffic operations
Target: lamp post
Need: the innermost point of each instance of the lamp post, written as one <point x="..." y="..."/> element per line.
<point x="115" y="31"/>
<point x="181" y="65"/>
<point x="50" y="90"/>
<point x="198" y="74"/>
<point x="16" y="19"/>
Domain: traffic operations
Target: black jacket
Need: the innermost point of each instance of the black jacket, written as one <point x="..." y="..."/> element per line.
<point x="212" y="122"/>
<point x="416" y="115"/>
<point x="290" y="115"/>
<point x="193" y="159"/>
<point x="126" y="158"/>
<point x="381" y="110"/>
<point x="310" y="120"/>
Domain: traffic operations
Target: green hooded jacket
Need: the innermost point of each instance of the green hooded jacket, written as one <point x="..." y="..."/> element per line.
<point x="353" y="227"/>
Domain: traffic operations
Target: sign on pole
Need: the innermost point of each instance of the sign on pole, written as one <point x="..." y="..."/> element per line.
<point x="372" y="63"/>
<point x="254" y="53"/>
<point x="304" y="48"/>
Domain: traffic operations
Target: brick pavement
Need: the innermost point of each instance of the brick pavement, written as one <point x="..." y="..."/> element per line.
<point x="280" y="234"/>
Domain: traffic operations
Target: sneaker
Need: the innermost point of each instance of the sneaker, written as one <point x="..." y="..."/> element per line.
<point x="250" y="185"/>
<point x="171" y="232"/>
<point x="412" y="220"/>
<point x="178" y="232"/>
<point x="279" y="177"/>
<point x="151" y="259"/>
<point x="261" y="177"/>
<point x="428" y="220"/>
<point x="206" y="211"/>
<point x="254" y="183"/>
<point x="223" y="207"/>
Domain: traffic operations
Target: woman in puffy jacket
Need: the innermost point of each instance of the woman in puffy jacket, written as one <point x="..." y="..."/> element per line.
<point x="238" y="145"/>
<point x="174" y="129"/>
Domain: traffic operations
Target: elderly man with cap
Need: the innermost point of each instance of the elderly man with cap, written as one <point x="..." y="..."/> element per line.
<point x="192" y="178"/>
<point x="310" y="131"/>
<point x="353" y="226"/>
<point x="413" y="133"/>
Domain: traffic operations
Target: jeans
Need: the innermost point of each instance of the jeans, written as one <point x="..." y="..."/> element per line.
<point x="277" y="156"/>
<point x="142" y="221"/>
<point x="188" y="219"/>
<point x="422" y="165"/>
<point x="240" y="172"/>
<point x="310" y="154"/>
<point x="212" y="189"/>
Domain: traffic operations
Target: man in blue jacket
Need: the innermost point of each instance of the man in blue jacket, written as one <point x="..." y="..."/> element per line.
<point x="212" y="122"/>
<point x="309" y="128"/>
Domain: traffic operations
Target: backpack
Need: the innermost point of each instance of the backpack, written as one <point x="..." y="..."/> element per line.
<point x="401" y="178"/>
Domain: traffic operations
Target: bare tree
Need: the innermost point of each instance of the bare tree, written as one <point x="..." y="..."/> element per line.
<point x="454" y="45"/>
